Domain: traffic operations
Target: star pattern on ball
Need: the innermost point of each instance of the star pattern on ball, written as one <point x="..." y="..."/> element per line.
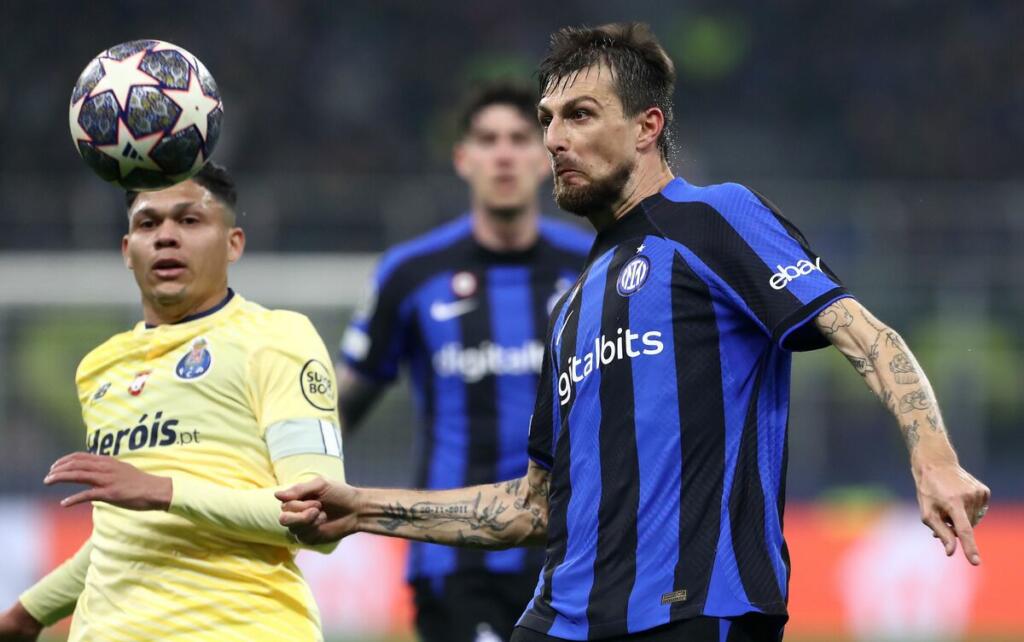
<point x="195" y="106"/>
<point x="166" y="46"/>
<point x="77" y="133"/>
<point x="119" y="76"/>
<point x="131" y="152"/>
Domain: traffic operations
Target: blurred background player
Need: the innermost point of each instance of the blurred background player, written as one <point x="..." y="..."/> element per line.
<point x="194" y="416"/>
<point x="465" y="306"/>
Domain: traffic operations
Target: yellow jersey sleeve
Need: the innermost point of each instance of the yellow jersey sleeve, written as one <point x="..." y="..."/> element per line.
<point x="252" y="515"/>
<point x="54" y="597"/>
<point x="291" y="375"/>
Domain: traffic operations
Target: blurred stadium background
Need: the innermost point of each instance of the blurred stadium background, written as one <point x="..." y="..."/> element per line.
<point x="889" y="131"/>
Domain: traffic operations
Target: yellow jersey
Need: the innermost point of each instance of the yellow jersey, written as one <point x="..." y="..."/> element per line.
<point x="194" y="401"/>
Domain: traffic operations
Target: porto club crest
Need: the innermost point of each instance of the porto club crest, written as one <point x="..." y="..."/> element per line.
<point x="195" y="363"/>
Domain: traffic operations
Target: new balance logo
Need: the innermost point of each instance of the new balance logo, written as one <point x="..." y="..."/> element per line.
<point x="788" y="273"/>
<point x="441" y="312"/>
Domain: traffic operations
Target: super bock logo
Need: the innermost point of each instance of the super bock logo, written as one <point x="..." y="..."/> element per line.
<point x="195" y="363"/>
<point x="633" y="275"/>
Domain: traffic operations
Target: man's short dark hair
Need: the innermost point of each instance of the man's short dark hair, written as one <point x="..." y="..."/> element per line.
<point x="214" y="177"/>
<point x="517" y="95"/>
<point x="642" y="73"/>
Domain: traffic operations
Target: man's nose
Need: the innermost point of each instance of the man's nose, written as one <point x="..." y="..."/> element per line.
<point x="555" y="138"/>
<point x="167" y="235"/>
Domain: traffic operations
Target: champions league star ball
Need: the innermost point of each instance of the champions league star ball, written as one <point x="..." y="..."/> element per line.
<point x="145" y="114"/>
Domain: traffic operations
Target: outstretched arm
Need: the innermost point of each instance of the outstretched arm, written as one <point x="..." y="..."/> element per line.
<point x="249" y="515"/>
<point x="952" y="501"/>
<point x="494" y="516"/>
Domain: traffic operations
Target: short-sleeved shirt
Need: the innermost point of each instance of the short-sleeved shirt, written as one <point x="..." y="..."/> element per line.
<point x="470" y="324"/>
<point x="662" y="414"/>
<point x="194" y="400"/>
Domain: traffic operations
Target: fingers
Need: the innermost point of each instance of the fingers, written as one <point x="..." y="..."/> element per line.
<point x="942" y="531"/>
<point x="72" y="476"/>
<point x="86" y="460"/>
<point x="965" y="533"/>
<point x="304" y="490"/>
<point x="90" y="495"/>
<point x="297" y="506"/>
<point x="301" y="519"/>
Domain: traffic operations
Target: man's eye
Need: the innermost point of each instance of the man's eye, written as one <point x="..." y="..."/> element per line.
<point x="190" y="220"/>
<point x="147" y="224"/>
<point x="544" y="121"/>
<point x="580" y="113"/>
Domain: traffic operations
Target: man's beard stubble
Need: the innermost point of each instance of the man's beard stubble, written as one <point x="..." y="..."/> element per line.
<point x="598" y="196"/>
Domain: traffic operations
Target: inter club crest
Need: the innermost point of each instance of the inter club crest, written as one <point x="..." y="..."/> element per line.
<point x="633" y="275"/>
<point x="195" y="363"/>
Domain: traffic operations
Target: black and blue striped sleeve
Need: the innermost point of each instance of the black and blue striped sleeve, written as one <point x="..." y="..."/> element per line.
<point x="375" y="340"/>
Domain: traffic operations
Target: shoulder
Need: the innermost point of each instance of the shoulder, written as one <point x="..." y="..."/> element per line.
<point x="686" y="209"/>
<point x="422" y="247"/>
<point x="262" y="328"/>
<point x="566" y="237"/>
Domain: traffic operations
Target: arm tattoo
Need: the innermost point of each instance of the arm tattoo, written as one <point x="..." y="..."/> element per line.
<point x="911" y="435"/>
<point x="916" y="400"/>
<point x="834" y="317"/>
<point x="495" y="516"/>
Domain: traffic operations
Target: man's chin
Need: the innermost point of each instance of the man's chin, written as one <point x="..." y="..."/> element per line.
<point x="168" y="294"/>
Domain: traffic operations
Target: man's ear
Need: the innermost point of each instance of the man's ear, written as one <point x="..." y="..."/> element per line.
<point x="124" y="252"/>
<point x="650" y="124"/>
<point x="459" y="160"/>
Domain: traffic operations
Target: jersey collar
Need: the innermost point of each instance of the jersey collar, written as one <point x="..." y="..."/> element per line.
<point x="200" y="315"/>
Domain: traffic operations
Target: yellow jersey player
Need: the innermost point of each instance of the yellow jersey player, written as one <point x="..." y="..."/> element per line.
<point x="193" y="418"/>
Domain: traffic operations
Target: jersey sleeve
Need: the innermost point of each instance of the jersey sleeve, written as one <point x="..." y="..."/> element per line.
<point x="376" y="337"/>
<point x="54" y="597"/>
<point x="291" y="377"/>
<point x="777" y="277"/>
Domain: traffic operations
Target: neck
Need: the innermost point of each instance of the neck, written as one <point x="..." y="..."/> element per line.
<point x="156" y="312"/>
<point x="649" y="178"/>
<point x="505" y="231"/>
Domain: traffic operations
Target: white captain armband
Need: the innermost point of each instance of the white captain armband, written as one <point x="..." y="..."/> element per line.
<point x="303" y="437"/>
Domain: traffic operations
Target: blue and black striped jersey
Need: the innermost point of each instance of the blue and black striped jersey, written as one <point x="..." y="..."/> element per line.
<point x="470" y="324"/>
<point x="662" y="414"/>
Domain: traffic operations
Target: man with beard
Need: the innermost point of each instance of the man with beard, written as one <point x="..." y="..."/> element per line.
<point x="658" y="436"/>
<point x="465" y="306"/>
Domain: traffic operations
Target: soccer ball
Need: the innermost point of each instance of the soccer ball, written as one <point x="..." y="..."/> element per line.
<point x="145" y="114"/>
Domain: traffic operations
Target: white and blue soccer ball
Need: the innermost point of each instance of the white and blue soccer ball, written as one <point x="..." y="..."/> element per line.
<point x="145" y="114"/>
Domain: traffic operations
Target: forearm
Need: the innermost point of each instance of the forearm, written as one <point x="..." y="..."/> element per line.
<point x="251" y="515"/>
<point x="54" y="597"/>
<point x="892" y="372"/>
<point x="493" y="516"/>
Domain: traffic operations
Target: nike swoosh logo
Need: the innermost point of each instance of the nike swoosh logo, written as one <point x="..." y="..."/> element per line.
<point x="440" y="311"/>
<point x="558" y="341"/>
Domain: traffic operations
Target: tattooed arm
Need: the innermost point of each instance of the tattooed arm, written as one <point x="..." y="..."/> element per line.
<point x="502" y="515"/>
<point x="951" y="500"/>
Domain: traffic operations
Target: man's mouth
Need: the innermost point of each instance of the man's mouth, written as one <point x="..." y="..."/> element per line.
<point x="168" y="269"/>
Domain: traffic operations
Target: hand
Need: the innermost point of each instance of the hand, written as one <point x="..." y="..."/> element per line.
<point x="16" y="625"/>
<point x="114" y="482"/>
<point x="318" y="511"/>
<point x="952" y="503"/>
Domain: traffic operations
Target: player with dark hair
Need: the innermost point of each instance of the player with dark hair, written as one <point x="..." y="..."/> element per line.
<point x="465" y="306"/>
<point x="193" y="418"/>
<point x="658" y="439"/>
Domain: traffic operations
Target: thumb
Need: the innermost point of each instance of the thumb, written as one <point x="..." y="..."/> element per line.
<point x="304" y="490"/>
